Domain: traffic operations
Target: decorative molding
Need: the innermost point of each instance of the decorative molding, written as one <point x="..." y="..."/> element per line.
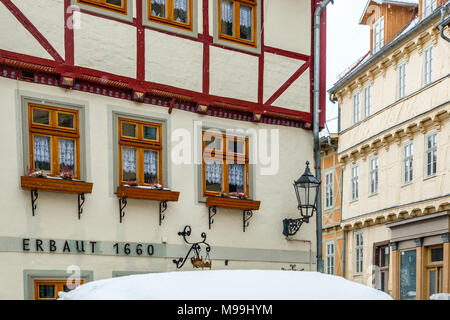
<point x="419" y="242"/>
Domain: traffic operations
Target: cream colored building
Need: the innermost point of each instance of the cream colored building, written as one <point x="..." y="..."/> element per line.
<point x="116" y="94"/>
<point x="395" y="148"/>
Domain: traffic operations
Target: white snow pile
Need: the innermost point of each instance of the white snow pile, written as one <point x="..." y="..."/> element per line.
<point x="440" y="296"/>
<point x="225" y="285"/>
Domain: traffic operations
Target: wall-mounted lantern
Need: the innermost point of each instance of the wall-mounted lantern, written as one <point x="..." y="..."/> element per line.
<point x="306" y="189"/>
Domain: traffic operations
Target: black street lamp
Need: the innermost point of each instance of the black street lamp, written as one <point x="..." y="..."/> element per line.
<point x="306" y="189"/>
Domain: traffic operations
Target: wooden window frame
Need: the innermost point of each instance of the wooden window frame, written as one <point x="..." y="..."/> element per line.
<point x="236" y="26"/>
<point x="437" y="266"/>
<point x="408" y="178"/>
<point x="55" y="133"/>
<point x="169" y="20"/>
<point x="428" y="65"/>
<point x="140" y="144"/>
<point x="59" y="286"/>
<point x="354" y="183"/>
<point x="107" y="6"/>
<point x="374" y="177"/>
<point x="356" y="107"/>
<point x="225" y="156"/>
<point x="402" y="80"/>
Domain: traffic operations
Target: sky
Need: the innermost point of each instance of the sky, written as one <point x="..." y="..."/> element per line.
<point x="347" y="41"/>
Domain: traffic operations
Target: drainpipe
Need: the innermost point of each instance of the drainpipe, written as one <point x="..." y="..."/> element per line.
<point x="317" y="20"/>
<point x="444" y="21"/>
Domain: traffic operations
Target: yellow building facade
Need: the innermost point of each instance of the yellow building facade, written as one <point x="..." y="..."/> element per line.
<point x="394" y="149"/>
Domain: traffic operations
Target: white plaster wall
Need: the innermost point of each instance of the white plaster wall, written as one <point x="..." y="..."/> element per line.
<point x="277" y="70"/>
<point x="233" y="74"/>
<point x="173" y="60"/>
<point x="22" y="41"/>
<point x="296" y="96"/>
<point x="56" y="215"/>
<point x="50" y="24"/>
<point x="96" y="48"/>
<point x="287" y="25"/>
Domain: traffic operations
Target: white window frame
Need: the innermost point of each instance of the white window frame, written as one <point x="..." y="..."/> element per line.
<point x="373" y="175"/>
<point x="330" y="257"/>
<point x="434" y="155"/>
<point x="408" y="161"/>
<point x="367" y="98"/>
<point x="329" y="190"/>
<point x="356" y="107"/>
<point x="428" y="6"/>
<point x="378" y="35"/>
<point x="359" y="252"/>
<point x="428" y="65"/>
<point x="402" y="80"/>
<point x="355" y="182"/>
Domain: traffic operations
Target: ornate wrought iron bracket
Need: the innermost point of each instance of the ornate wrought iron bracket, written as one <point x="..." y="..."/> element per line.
<point x="212" y="211"/>
<point x="122" y="204"/>
<point x="34" y="197"/>
<point x="81" y="199"/>
<point x="246" y="216"/>
<point x="291" y="226"/>
<point x="196" y="260"/>
<point x="162" y="208"/>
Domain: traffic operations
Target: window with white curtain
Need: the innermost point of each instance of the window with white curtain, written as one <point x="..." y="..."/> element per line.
<point x="225" y="164"/>
<point x="378" y="35"/>
<point x="238" y="21"/>
<point x="54" y="146"/>
<point x="401" y="80"/>
<point x="173" y="12"/>
<point x="431" y="154"/>
<point x="140" y="153"/>
<point x="427" y="65"/>
<point x="428" y="6"/>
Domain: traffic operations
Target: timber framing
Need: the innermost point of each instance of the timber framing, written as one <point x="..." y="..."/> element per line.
<point x="63" y="72"/>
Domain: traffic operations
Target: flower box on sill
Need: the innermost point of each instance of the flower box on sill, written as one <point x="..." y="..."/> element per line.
<point x="147" y="193"/>
<point x="51" y="184"/>
<point x="232" y="203"/>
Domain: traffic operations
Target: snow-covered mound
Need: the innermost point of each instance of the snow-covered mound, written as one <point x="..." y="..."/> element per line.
<point x="226" y="285"/>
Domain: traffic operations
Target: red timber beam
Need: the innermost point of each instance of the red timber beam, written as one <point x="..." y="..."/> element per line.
<point x="33" y="30"/>
<point x="69" y="47"/>
<point x="206" y="46"/>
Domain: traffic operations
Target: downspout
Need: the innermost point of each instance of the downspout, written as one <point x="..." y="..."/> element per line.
<point x="316" y="114"/>
<point x="444" y="21"/>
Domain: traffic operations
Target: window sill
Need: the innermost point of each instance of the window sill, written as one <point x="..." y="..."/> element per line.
<point x="147" y="194"/>
<point x="232" y="203"/>
<point x="373" y="194"/>
<point x="407" y="184"/>
<point x="430" y="177"/>
<point x="56" y="185"/>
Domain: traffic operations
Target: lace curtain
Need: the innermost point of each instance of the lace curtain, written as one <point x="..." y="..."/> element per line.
<point x="129" y="160"/>
<point x="67" y="153"/>
<point x="42" y="152"/>
<point x="226" y="10"/>
<point x="236" y="175"/>
<point x="213" y="172"/>
<point x="180" y="4"/>
<point x="150" y="163"/>
<point x="246" y="16"/>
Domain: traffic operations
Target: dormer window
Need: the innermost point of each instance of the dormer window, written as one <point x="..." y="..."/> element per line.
<point x="378" y="35"/>
<point x="428" y="6"/>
